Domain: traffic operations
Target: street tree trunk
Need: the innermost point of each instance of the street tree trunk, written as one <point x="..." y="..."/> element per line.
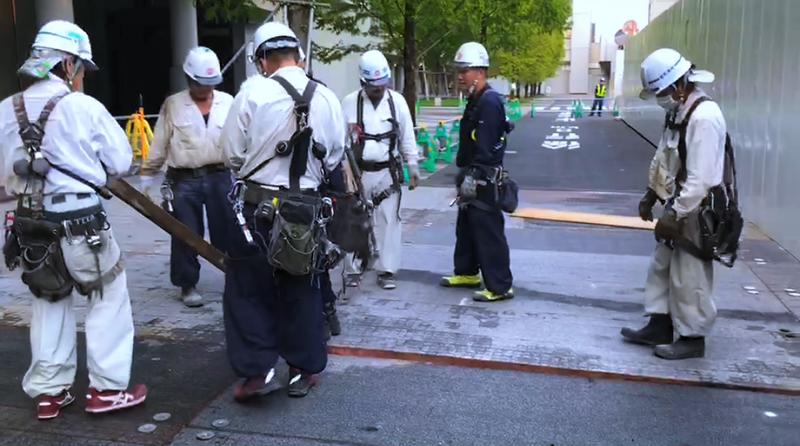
<point x="298" y="22"/>
<point x="410" y="58"/>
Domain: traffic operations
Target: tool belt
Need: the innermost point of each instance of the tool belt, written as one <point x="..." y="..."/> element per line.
<point x="295" y="235"/>
<point x="35" y="245"/>
<point x="481" y="180"/>
<point x="178" y="174"/>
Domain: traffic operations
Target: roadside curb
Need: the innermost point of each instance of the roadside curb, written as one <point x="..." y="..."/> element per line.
<point x="549" y="370"/>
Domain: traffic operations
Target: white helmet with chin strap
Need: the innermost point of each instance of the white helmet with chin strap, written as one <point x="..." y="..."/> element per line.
<point x="274" y="36"/>
<point x="663" y="68"/>
<point x="472" y="55"/>
<point x="374" y="69"/>
<point x="202" y="66"/>
<point x="55" y="41"/>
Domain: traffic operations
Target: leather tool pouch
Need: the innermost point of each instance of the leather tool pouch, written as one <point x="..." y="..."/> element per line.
<point x="43" y="268"/>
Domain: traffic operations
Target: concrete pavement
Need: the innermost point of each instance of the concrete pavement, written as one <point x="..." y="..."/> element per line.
<point x="576" y="287"/>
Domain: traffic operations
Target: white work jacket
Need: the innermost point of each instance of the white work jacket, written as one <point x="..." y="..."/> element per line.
<point x="182" y="138"/>
<point x="262" y="115"/>
<point x="705" y="156"/>
<point x="376" y="122"/>
<point x="80" y="136"/>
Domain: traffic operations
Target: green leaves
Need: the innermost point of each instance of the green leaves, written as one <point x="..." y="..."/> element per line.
<point x="230" y="10"/>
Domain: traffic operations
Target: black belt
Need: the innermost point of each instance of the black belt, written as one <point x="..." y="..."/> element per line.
<point x="370" y="166"/>
<point x="255" y="194"/>
<point x="175" y="173"/>
<point x="79" y="222"/>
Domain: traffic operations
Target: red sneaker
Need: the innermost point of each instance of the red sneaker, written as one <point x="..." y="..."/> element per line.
<point x="50" y="406"/>
<point x="98" y="401"/>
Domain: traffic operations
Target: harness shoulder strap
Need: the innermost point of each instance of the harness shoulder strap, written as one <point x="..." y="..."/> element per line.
<point x="681" y="128"/>
<point x="359" y="152"/>
<point x="302" y="135"/>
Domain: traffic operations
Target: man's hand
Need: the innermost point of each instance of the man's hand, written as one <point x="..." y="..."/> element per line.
<point x="646" y="205"/>
<point x="668" y="226"/>
<point x="413" y="176"/>
<point x="148" y="189"/>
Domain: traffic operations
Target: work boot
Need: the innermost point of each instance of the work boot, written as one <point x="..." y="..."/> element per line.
<point x="50" y="406"/>
<point x="461" y="281"/>
<point x="101" y="401"/>
<point x="191" y="298"/>
<point x="353" y="280"/>
<point x="332" y="319"/>
<point x="300" y="382"/>
<point x="489" y="296"/>
<point x="256" y="386"/>
<point x="658" y="331"/>
<point x="386" y="281"/>
<point x="683" y="348"/>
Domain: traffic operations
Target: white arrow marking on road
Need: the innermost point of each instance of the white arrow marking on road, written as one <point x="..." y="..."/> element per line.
<point x="555" y="136"/>
<point x="554" y="145"/>
<point x="574" y="145"/>
<point x="572" y="136"/>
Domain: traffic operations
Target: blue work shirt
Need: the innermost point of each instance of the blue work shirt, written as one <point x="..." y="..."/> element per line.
<point x="483" y="128"/>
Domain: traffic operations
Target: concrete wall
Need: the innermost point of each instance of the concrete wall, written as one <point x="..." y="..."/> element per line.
<point x="752" y="47"/>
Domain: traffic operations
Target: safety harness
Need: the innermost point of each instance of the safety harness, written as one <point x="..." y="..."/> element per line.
<point x="720" y="218"/>
<point x="393" y="164"/>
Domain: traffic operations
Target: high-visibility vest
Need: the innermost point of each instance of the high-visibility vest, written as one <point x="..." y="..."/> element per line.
<point x="600" y="91"/>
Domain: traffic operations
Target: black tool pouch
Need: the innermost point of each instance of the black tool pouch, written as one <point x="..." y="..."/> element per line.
<point x="42" y="260"/>
<point x="293" y="238"/>
<point x="351" y="225"/>
<point x="507" y="193"/>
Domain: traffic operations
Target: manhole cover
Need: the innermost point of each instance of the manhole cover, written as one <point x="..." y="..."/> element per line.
<point x="147" y="428"/>
<point x="205" y="435"/>
<point x="163" y="416"/>
<point x="220" y="423"/>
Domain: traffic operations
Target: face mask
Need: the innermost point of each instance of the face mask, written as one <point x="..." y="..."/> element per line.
<point x="668" y="103"/>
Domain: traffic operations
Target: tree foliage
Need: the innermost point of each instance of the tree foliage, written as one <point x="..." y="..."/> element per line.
<point x="534" y="62"/>
<point x="219" y="11"/>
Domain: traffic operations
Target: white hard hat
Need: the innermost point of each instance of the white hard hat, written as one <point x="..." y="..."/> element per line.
<point x="202" y="66"/>
<point x="663" y="68"/>
<point x="280" y="35"/>
<point x="66" y="37"/>
<point x="472" y="55"/>
<point x="374" y="68"/>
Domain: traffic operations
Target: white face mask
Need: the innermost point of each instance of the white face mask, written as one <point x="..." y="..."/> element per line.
<point x="668" y="103"/>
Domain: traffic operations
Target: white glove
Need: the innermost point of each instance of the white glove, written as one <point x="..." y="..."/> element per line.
<point x="147" y="186"/>
<point x="413" y="176"/>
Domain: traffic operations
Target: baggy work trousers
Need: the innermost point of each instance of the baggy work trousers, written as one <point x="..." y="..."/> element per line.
<point x="680" y="285"/>
<point x="481" y="246"/>
<point x="387" y="226"/>
<point x="268" y="312"/>
<point x="190" y="195"/>
<point x="109" y="327"/>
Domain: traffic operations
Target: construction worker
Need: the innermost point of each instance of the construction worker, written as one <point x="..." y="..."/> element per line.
<point x="685" y="174"/>
<point x="599" y="98"/>
<point x="385" y="133"/>
<point x="283" y="135"/>
<point x="481" y="245"/>
<point x="186" y="137"/>
<point x="58" y="148"/>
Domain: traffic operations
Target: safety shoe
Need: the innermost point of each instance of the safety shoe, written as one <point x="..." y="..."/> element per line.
<point x="100" y="401"/>
<point x="461" y="281"/>
<point x="658" y="331"/>
<point x="300" y="383"/>
<point x="191" y="298"/>
<point x="256" y="386"/>
<point x="683" y="348"/>
<point x="353" y="280"/>
<point x="386" y="281"/>
<point x="50" y="406"/>
<point x="489" y="296"/>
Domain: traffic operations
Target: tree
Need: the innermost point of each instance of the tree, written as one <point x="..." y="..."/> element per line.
<point x="538" y="60"/>
<point x="230" y="10"/>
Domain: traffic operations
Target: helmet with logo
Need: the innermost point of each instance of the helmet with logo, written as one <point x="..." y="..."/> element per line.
<point x="664" y="67"/>
<point x="54" y="41"/>
<point x="274" y="36"/>
<point x="472" y="55"/>
<point x="202" y="66"/>
<point x="374" y="69"/>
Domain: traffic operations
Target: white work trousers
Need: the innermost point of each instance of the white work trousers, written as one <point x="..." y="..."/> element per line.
<point x="680" y="284"/>
<point x="388" y="229"/>
<point x="109" y="327"/>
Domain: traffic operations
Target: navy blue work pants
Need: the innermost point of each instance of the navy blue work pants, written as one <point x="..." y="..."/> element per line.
<point x="269" y="313"/>
<point x="190" y="196"/>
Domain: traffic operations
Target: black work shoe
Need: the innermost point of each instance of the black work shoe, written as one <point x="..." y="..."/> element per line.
<point x="300" y="383"/>
<point x="683" y="348"/>
<point x="332" y="319"/>
<point x="658" y="331"/>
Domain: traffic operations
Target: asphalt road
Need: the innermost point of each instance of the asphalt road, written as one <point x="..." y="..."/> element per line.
<point x="586" y="154"/>
<point x="380" y="402"/>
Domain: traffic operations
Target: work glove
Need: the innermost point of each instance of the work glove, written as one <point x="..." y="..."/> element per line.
<point x="150" y="189"/>
<point x="646" y="205"/>
<point x="413" y="176"/>
<point x="668" y="227"/>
